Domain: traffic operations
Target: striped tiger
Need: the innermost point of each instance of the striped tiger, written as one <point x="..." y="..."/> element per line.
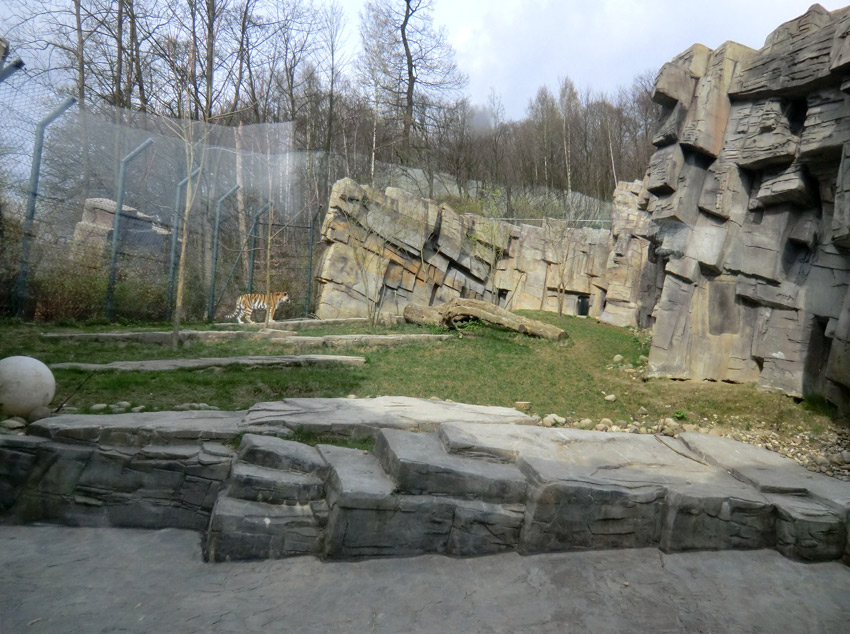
<point x="247" y="304"/>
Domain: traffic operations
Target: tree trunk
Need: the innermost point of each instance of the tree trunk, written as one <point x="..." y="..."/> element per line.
<point x="459" y="310"/>
<point x="411" y="81"/>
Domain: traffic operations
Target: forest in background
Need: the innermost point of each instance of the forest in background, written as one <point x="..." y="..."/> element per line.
<point x="398" y="100"/>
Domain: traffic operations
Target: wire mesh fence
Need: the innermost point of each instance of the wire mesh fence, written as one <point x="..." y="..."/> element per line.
<point x="123" y="197"/>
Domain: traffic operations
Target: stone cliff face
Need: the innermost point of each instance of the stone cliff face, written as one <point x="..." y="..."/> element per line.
<point x="749" y="215"/>
<point x="735" y="248"/>
<point x="390" y="249"/>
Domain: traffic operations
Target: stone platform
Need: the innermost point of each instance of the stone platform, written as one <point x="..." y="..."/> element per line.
<point x="442" y="478"/>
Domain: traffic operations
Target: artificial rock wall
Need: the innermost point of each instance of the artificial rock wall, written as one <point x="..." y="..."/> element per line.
<point x="734" y="249"/>
<point x="390" y="249"/>
<point x="749" y="214"/>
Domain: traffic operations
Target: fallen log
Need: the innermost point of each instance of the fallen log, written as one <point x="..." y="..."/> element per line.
<point x="458" y="310"/>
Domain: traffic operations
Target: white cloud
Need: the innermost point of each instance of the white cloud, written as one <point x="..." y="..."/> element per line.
<point x="516" y="46"/>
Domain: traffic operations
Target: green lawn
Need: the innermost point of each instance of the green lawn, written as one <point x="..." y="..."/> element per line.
<point x="487" y="366"/>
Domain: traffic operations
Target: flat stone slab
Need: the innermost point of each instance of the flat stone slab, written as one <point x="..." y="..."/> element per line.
<point x="138" y="429"/>
<point x="263" y="484"/>
<point x="768" y="471"/>
<point x="363" y="417"/>
<point x="164" y="337"/>
<point x="280" y="454"/>
<point x="420" y="465"/>
<point x="165" y="365"/>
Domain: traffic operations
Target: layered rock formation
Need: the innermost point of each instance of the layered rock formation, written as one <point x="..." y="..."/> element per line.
<point x="390" y="249"/>
<point x="735" y="248"/>
<point x="489" y="481"/>
<point x="749" y="215"/>
<point x="138" y="232"/>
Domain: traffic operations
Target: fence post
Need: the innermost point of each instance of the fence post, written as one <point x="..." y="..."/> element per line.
<point x="310" y="267"/>
<point x="211" y="303"/>
<point x="10" y="69"/>
<point x="23" y="268"/>
<point x="175" y="232"/>
<point x="119" y="205"/>
<point x="254" y="246"/>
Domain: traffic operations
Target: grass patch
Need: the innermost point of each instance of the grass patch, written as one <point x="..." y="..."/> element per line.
<point x="313" y="439"/>
<point x="487" y="366"/>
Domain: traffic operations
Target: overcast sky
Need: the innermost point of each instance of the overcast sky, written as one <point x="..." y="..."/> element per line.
<point x="516" y="46"/>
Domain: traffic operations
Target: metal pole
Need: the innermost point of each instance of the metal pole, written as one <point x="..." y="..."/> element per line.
<point x="23" y="269"/>
<point x="211" y="303"/>
<point x="175" y="232"/>
<point x="11" y="68"/>
<point x="309" y="269"/>
<point x="254" y="246"/>
<point x="119" y="206"/>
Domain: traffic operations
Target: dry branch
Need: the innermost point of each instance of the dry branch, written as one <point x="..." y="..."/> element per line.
<point x="458" y="310"/>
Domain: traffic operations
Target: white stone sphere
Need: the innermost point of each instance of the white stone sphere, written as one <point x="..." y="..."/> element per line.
<point x="25" y="383"/>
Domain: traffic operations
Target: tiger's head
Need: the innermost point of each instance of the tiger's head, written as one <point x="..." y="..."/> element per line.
<point x="281" y="298"/>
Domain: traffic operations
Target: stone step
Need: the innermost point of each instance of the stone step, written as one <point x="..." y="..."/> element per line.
<point x="262" y="484"/>
<point x="370" y="518"/>
<point x="277" y="453"/>
<point x="419" y="464"/>
<point x="243" y="529"/>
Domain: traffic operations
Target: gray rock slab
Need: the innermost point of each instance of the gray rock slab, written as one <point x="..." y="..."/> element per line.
<point x="505" y="442"/>
<point x="164" y="337"/>
<point x="569" y="515"/>
<point x="363" y="417"/>
<point x="164" y="365"/>
<point x="768" y="471"/>
<point x="242" y="529"/>
<point x="141" y="428"/>
<point x="413" y="525"/>
<point x="277" y="453"/>
<point x="420" y="465"/>
<point x="262" y="484"/>
<point x="60" y="580"/>
<point x="356" y="479"/>
<point x="807" y="529"/>
<point x="480" y="528"/>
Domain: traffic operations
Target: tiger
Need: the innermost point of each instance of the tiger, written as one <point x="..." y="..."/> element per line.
<point x="247" y="304"/>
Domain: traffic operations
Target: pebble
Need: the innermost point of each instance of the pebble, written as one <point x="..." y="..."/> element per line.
<point x="553" y="419"/>
<point x="611" y="398"/>
<point x="137" y="409"/>
<point x="124" y="404"/>
<point x="14" y="423"/>
<point x="618" y="358"/>
<point x="98" y="407"/>
<point x="38" y="413"/>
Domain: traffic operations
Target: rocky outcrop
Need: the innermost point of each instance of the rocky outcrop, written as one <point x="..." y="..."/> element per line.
<point x="482" y="483"/>
<point x="138" y="232"/>
<point x="735" y="248"/>
<point x="387" y="250"/>
<point x="747" y="212"/>
<point x="463" y="488"/>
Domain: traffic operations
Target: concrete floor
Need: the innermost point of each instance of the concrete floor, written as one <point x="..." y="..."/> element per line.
<point x="86" y="580"/>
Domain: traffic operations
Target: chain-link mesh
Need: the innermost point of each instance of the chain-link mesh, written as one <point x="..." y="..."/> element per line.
<point x="67" y="271"/>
